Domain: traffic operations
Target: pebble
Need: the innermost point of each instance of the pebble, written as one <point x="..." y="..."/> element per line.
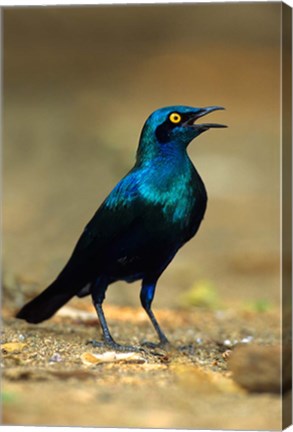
<point x="247" y="339"/>
<point x="56" y="358"/>
<point x="226" y="354"/>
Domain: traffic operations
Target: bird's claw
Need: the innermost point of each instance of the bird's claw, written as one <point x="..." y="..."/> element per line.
<point x="162" y="344"/>
<point x="95" y="343"/>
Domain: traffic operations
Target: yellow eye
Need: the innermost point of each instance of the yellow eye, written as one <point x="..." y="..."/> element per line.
<point x="175" y="117"/>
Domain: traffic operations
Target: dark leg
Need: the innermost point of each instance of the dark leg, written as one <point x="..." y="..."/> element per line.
<point x="146" y="297"/>
<point x="98" y="296"/>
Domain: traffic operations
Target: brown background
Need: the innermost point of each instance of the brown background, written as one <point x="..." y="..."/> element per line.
<point x="78" y="86"/>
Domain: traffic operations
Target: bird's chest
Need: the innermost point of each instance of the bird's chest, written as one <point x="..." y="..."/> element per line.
<point x="178" y="195"/>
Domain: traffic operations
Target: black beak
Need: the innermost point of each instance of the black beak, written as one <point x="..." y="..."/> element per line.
<point x="205" y="126"/>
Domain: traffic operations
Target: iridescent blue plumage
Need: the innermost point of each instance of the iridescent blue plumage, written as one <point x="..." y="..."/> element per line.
<point x="150" y="214"/>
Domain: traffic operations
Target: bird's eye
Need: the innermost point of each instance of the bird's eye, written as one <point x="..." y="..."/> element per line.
<point x="175" y="117"/>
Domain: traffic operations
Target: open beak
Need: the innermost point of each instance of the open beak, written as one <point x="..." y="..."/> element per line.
<point x="200" y="113"/>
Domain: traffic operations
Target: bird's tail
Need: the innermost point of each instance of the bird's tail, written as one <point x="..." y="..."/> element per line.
<point x="46" y="304"/>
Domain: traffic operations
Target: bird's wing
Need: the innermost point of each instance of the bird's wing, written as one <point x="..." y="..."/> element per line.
<point x="115" y="226"/>
<point x="117" y="215"/>
<point x="115" y="230"/>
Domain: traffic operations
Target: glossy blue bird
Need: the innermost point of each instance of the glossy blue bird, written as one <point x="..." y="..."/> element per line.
<point x="138" y="229"/>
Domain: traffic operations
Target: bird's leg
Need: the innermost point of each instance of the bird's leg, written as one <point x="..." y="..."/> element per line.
<point x="98" y="290"/>
<point x="146" y="297"/>
<point x="105" y="329"/>
<point x="98" y="296"/>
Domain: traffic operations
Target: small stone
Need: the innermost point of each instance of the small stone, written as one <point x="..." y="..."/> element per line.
<point x="89" y="358"/>
<point x="227" y="342"/>
<point x="226" y="354"/>
<point x="10" y="347"/>
<point x="56" y="358"/>
<point x="246" y="339"/>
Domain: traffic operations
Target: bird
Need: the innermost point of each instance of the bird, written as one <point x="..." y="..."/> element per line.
<point x="149" y="215"/>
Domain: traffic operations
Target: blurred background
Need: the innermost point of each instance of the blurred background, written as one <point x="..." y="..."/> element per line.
<point x="79" y="84"/>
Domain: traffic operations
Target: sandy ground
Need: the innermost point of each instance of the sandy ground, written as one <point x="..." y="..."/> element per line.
<point x="51" y="377"/>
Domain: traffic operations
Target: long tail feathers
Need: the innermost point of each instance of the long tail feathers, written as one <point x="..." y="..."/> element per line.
<point x="46" y="304"/>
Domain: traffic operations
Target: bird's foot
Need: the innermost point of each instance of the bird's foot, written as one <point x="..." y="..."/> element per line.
<point x="163" y="344"/>
<point x="114" y="346"/>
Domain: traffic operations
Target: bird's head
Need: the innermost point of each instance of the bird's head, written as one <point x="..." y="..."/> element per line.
<point x="174" y="126"/>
